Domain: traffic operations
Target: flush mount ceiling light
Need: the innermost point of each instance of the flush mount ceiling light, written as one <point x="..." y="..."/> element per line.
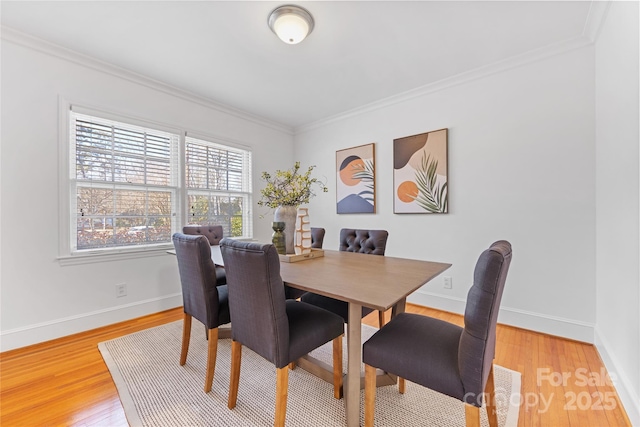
<point x="291" y="23"/>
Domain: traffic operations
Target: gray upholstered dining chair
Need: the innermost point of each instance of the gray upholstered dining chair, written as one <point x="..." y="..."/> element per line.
<point x="214" y="234"/>
<point x="202" y="297"/>
<point x="278" y="329"/>
<point x="317" y="238"/>
<point x="372" y="242"/>
<point x="440" y="355"/>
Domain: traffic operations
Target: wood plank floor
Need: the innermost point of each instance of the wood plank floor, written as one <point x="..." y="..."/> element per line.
<point x="66" y="383"/>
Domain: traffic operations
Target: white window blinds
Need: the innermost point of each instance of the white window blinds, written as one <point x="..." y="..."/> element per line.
<point x="124" y="184"/>
<point x="218" y="181"/>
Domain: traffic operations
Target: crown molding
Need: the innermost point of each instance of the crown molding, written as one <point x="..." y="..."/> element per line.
<point x="17" y="37"/>
<point x="595" y="19"/>
<point x="459" y="79"/>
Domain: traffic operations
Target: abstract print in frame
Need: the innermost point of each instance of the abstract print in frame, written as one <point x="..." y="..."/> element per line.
<point x="420" y="173"/>
<point x="355" y="180"/>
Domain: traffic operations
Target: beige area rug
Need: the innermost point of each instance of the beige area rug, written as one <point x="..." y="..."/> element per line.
<point x="156" y="391"/>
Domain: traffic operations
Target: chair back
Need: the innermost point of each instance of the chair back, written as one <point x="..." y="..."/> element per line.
<point x="477" y="345"/>
<point x="213" y="233"/>
<point x="317" y="237"/>
<point x="256" y="299"/>
<point x="197" y="277"/>
<point x="363" y="241"/>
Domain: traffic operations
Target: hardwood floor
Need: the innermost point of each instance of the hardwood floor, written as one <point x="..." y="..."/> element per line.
<point x="65" y="381"/>
<point x="583" y="398"/>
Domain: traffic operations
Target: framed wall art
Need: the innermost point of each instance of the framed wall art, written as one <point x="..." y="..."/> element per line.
<point x="355" y="180"/>
<point x="420" y="173"/>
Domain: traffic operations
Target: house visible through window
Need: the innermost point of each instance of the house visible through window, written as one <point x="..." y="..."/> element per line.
<point x="128" y="188"/>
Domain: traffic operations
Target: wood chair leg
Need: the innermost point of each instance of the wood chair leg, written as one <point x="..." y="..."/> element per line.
<point x="186" y="335"/>
<point x="369" y="395"/>
<point x="337" y="367"/>
<point x="380" y="319"/>
<point x="472" y="415"/>
<point x="234" y="377"/>
<point x="282" y="386"/>
<point x="402" y="386"/>
<point x="211" y="358"/>
<point x="292" y="365"/>
<point x="490" y="396"/>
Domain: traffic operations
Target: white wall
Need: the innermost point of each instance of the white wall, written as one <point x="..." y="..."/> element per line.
<point x="42" y="300"/>
<point x="521" y="168"/>
<point x="617" y="192"/>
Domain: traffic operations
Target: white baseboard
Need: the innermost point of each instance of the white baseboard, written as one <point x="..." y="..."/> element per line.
<point x="439" y="302"/>
<point x="629" y="397"/>
<point x="552" y="325"/>
<point x="37" y="333"/>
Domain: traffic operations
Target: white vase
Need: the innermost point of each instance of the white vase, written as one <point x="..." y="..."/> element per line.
<point x="287" y="214"/>
<point x="303" y="232"/>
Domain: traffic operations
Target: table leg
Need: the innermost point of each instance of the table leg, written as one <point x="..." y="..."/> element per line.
<point x="354" y="362"/>
<point x="399" y="307"/>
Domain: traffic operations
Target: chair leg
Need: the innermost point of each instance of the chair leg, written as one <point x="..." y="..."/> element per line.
<point x="472" y="415"/>
<point x="337" y="367"/>
<point x="186" y="335"/>
<point x="234" y="377"/>
<point x="292" y="365"/>
<point x="369" y="395"/>
<point x="211" y="358"/>
<point x="402" y="387"/>
<point x="380" y="319"/>
<point x="490" y="395"/>
<point x="282" y="386"/>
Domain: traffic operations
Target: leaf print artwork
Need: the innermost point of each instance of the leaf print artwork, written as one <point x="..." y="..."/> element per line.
<point x="420" y="173"/>
<point x="355" y="180"/>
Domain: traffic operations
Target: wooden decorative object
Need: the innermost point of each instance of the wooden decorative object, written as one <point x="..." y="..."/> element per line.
<point x="315" y="253"/>
<point x="302" y="243"/>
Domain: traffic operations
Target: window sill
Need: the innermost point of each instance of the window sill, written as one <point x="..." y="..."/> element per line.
<point x="106" y="255"/>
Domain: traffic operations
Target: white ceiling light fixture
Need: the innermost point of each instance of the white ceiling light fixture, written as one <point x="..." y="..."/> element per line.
<point x="291" y="23"/>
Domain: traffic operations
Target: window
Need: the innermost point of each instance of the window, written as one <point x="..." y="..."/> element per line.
<point x="128" y="189"/>
<point x="218" y="185"/>
<point x="124" y="184"/>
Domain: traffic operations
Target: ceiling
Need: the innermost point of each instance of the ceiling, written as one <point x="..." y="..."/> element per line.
<point x="358" y="53"/>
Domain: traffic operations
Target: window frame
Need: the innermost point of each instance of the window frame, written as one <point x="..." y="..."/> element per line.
<point x="67" y="160"/>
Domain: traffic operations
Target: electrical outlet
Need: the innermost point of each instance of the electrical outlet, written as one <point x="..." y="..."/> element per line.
<point x="121" y="290"/>
<point x="448" y="284"/>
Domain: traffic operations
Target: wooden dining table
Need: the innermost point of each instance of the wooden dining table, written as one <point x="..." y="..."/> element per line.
<point x="378" y="282"/>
